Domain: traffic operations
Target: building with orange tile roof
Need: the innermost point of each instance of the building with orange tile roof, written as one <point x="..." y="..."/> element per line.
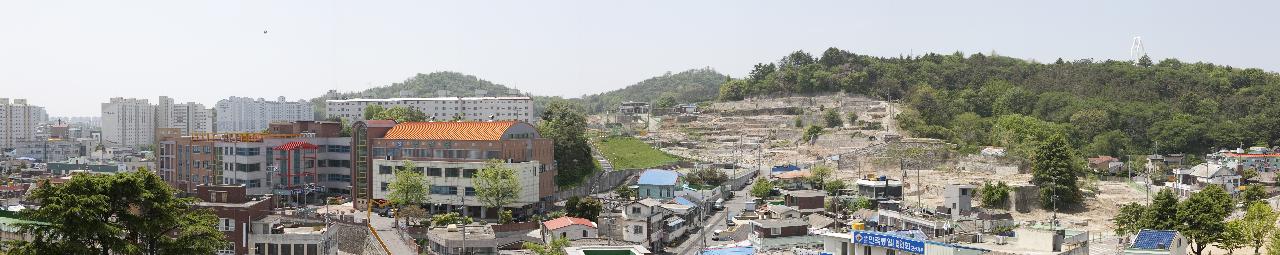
<point x="450" y="154"/>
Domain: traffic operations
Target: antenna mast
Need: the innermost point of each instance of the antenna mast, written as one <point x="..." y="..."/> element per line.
<point x="1136" y="50"/>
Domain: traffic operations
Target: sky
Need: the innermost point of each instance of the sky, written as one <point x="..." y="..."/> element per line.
<point x="71" y="56"/>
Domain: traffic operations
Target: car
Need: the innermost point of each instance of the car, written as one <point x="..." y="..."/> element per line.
<point x="729" y="222"/>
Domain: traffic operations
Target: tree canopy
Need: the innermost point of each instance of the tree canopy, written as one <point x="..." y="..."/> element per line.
<point x="496" y="184"/>
<point x="564" y="123"/>
<point x="1186" y="107"/>
<point x="691" y="86"/>
<point x="1055" y="171"/>
<point x="125" y="213"/>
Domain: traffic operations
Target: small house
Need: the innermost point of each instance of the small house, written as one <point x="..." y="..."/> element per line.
<point x="571" y="228"/>
<point x="1162" y="242"/>
<point x="658" y="184"/>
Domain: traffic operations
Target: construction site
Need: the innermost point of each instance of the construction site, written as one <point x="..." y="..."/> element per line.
<point x="764" y="132"/>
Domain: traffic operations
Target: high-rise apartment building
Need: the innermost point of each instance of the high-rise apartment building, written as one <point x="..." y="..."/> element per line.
<point x="19" y="122"/>
<point x="128" y="122"/>
<point x="242" y="114"/>
<point x="188" y="118"/>
<point x="441" y="108"/>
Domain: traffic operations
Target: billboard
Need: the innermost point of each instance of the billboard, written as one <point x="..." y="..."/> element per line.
<point x="888" y="241"/>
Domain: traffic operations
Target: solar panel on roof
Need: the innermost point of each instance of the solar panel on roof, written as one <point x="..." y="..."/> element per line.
<point x="1153" y="240"/>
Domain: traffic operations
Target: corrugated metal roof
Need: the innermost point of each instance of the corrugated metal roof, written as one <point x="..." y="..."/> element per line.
<point x="658" y="177"/>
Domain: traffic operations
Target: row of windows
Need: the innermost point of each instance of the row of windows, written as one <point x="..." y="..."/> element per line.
<point x="436" y="171"/>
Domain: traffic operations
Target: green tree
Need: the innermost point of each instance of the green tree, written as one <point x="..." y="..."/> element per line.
<point x="566" y="126"/>
<point x="832" y="118"/>
<point x="556" y="247"/>
<point x="583" y="207"/>
<point x="799" y="121"/>
<point x="1202" y="217"/>
<point x="496" y="185"/>
<point x="408" y="187"/>
<point x="1055" y="171"/>
<point x="994" y="195"/>
<point x="812" y="133"/>
<point x="450" y="218"/>
<point x="504" y="217"/>
<point x="1163" y="212"/>
<point x="1252" y="193"/>
<point x="626" y="193"/>
<point x="834" y="186"/>
<point x="853" y="118"/>
<point x="1232" y="237"/>
<point x="1259" y="222"/>
<point x="402" y="114"/>
<point x="1248" y="173"/>
<point x="762" y="188"/>
<point x="666" y="101"/>
<point x="372" y="111"/>
<point x="818" y="175"/>
<point x="1130" y="219"/>
<point x="125" y="213"/>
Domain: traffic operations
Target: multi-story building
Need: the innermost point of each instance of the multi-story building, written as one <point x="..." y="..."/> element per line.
<point x="246" y="222"/>
<point x="295" y="157"/>
<point x="242" y="114"/>
<point x="19" y="121"/>
<point x="450" y="154"/>
<point x="128" y="122"/>
<point x="440" y="108"/>
<point x="188" y="118"/>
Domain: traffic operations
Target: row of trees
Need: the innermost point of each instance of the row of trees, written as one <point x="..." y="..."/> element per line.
<point x="1103" y="107"/>
<point x="1202" y="218"/>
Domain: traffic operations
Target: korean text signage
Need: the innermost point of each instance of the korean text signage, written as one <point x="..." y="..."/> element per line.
<point x="888" y="241"/>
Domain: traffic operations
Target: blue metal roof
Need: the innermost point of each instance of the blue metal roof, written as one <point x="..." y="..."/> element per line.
<point x="683" y="201"/>
<point x="1154" y="239"/>
<point x="658" y="177"/>
<point x="785" y="168"/>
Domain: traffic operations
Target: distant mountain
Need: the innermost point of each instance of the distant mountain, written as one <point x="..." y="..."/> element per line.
<point x="695" y="85"/>
<point x="423" y="85"/>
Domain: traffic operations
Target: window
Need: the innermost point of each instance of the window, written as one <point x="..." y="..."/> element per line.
<point x="584" y="233"/>
<point x="444" y="190"/>
<point x="434" y="171"/>
<point x="637" y="230"/>
<point x="384" y="186"/>
<point x="492" y="154"/>
<point x="635" y="210"/>
<point x="470" y="191"/>
<point x="384" y="169"/>
<point x="564" y="234"/>
<point x="228" y="248"/>
<point x="775" y="231"/>
<point x="468" y="173"/>
<point x="866" y="250"/>
<point x="452" y="172"/>
<point x="891" y="252"/>
<point x="225" y="224"/>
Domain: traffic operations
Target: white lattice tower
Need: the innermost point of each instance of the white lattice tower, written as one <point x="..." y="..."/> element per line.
<point x="1136" y="50"/>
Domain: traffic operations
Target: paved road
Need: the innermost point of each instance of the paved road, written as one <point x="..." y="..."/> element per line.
<point x="694" y="244"/>
<point x="390" y="235"/>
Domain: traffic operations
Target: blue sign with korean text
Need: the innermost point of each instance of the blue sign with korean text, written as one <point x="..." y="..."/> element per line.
<point x="888" y="241"/>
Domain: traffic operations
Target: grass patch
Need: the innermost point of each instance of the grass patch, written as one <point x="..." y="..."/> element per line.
<point x="631" y="153"/>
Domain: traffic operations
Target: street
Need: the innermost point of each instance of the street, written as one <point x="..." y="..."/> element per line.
<point x="694" y="244"/>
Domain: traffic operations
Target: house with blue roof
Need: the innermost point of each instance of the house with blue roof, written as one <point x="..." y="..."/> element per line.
<point x="1149" y="241"/>
<point x="658" y="184"/>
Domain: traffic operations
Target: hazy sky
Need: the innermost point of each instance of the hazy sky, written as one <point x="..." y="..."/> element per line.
<point x="70" y="56"/>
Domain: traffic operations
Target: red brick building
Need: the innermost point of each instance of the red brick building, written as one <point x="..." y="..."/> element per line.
<point x="235" y="210"/>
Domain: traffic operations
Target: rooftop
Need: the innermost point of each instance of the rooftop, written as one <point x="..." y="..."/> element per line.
<point x="658" y="177"/>
<point x="779" y="223"/>
<point x="1148" y="239"/>
<point x="459" y="131"/>
<point x="807" y="193"/>
<point x="566" y="221"/>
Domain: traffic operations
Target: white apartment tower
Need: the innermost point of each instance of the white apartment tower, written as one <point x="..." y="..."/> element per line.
<point x="190" y="118"/>
<point x="242" y="114"/>
<point x="128" y="122"/>
<point x="19" y="121"/>
<point x="440" y="108"/>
